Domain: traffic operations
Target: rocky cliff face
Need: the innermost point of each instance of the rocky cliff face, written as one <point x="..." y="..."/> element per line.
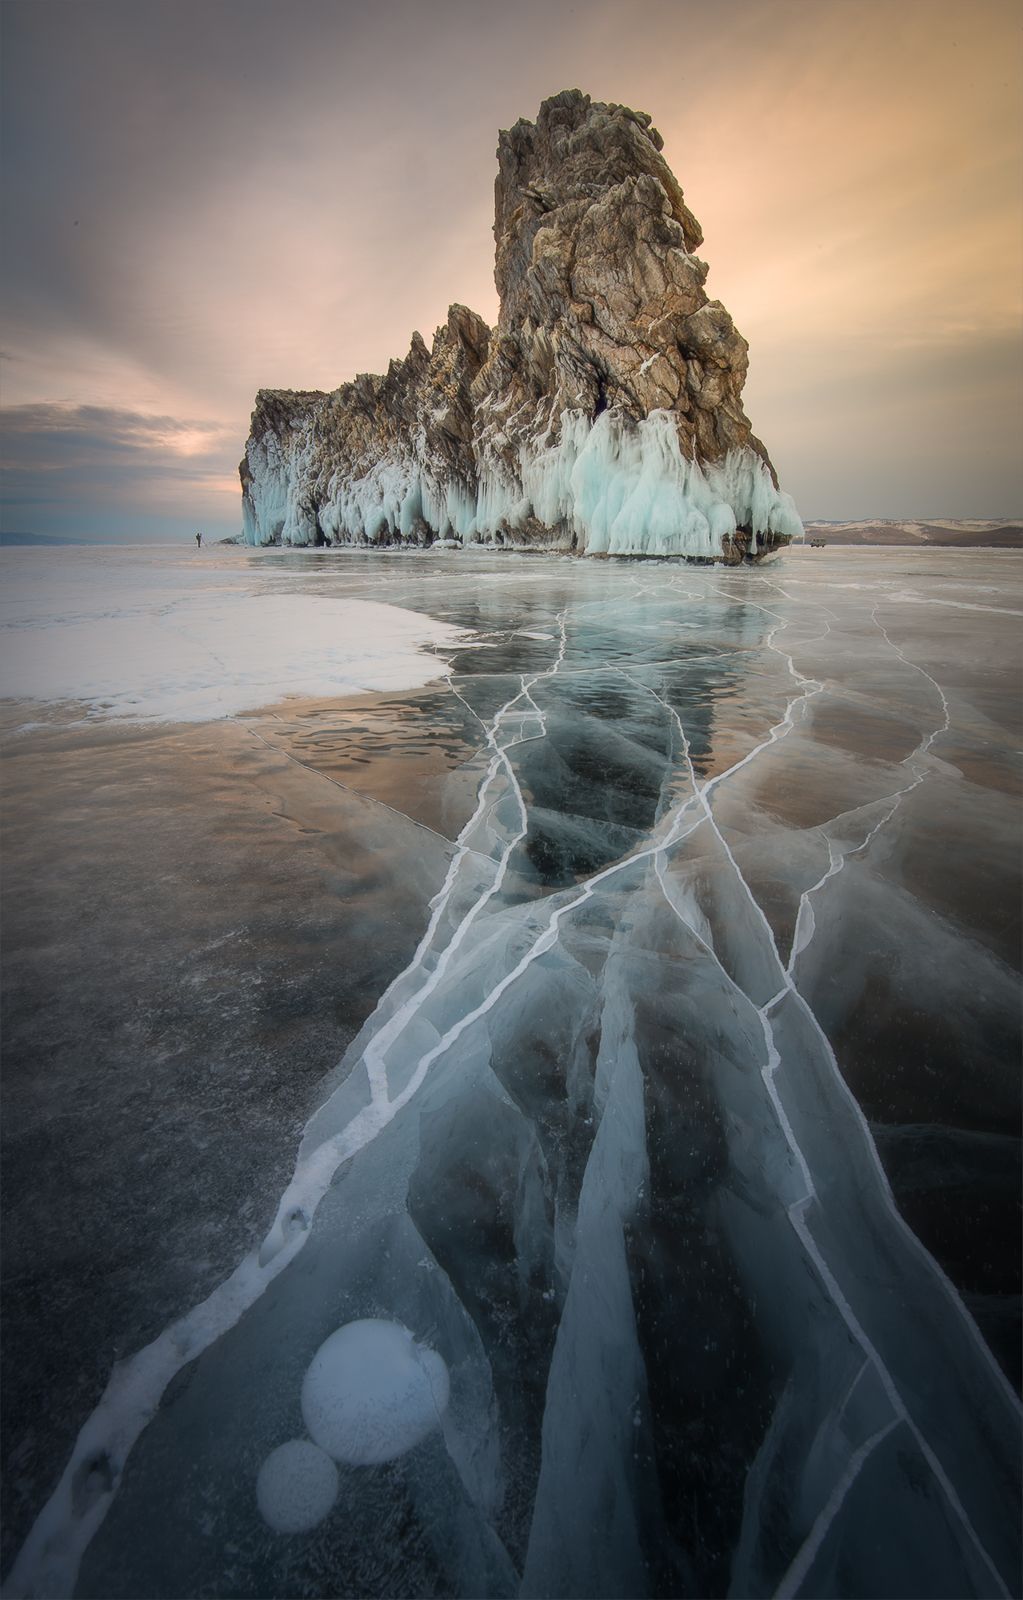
<point x="603" y="414"/>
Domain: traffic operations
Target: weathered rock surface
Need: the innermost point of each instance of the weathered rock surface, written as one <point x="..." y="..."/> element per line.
<point x="602" y="414"/>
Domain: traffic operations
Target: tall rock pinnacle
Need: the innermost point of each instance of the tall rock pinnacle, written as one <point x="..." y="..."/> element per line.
<point x="603" y="414"/>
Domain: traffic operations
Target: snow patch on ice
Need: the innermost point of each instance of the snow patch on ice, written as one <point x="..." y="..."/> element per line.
<point x="200" y="651"/>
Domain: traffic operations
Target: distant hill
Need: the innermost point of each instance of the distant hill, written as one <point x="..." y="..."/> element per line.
<point x="943" y="531"/>
<point x="37" y="538"/>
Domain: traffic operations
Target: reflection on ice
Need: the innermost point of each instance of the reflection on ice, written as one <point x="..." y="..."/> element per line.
<point x="589" y="1276"/>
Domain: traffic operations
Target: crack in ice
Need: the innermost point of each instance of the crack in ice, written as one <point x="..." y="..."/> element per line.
<point x="315" y="772"/>
<point x="49" y="1559"/>
<point x="796" y="1210"/>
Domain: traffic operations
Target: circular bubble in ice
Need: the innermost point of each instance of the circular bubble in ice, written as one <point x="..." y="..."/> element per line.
<point x="296" y="1487"/>
<point x="371" y="1392"/>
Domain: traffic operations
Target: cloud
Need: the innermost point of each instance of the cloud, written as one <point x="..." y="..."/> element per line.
<point x="201" y="200"/>
<point x="65" y="461"/>
<point x="115" y="428"/>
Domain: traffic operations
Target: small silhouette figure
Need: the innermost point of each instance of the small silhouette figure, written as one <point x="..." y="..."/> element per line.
<point x="198" y="541"/>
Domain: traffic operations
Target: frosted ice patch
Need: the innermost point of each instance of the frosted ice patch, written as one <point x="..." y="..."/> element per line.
<point x="147" y="636"/>
<point x="296" y="1487"/>
<point x="371" y="1392"/>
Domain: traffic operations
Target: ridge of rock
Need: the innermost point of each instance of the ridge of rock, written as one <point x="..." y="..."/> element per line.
<point x="603" y="414"/>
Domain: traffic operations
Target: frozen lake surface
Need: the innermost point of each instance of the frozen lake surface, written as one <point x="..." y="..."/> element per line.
<point x="610" y="1021"/>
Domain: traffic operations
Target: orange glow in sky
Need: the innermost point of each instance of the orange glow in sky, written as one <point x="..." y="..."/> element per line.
<point x="206" y="200"/>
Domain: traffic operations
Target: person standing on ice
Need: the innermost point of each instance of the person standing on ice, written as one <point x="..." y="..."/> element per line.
<point x="198" y="541"/>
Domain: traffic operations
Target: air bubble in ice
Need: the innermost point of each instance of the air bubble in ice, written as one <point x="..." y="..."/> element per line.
<point x="371" y="1392"/>
<point x="296" y="1487"/>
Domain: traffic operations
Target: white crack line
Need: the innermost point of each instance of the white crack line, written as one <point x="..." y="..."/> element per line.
<point x="793" y="1578"/>
<point x="315" y="772"/>
<point x="796" y="1210"/>
<point x="804" y="929"/>
<point x="49" y="1559"/>
<point x="915" y="1243"/>
<point x="47" y="1564"/>
<point x="373" y="1059"/>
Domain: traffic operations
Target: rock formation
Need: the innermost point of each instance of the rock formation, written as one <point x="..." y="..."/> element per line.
<point x="603" y="414"/>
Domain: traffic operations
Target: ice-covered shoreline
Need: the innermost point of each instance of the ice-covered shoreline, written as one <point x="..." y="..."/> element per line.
<point x="609" y="486"/>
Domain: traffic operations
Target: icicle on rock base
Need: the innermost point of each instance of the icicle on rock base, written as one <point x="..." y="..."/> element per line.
<point x="602" y="415"/>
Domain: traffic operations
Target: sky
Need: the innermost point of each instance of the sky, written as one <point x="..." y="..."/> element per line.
<point x="200" y="200"/>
